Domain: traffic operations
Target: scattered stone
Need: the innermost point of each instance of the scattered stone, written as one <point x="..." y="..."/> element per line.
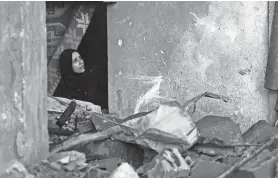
<point x="87" y="126"/>
<point x="97" y="173"/>
<point x="79" y="120"/>
<point x="168" y="164"/>
<point x="55" y="166"/>
<point x="17" y="170"/>
<point x="59" y="104"/>
<point x="267" y="169"/>
<point x="108" y="148"/>
<point x="45" y="171"/>
<point x="65" y="160"/>
<point x="217" y="135"/>
<point x="255" y="162"/>
<point x="193" y="154"/>
<point x="70" y="161"/>
<point x="261" y="159"/>
<point x="210" y="157"/>
<point x="106" y="164"/>
<point x="124" y="171"/>
<point x="159" y="129"/>
<point x="219" y="130"/>
<point x="149" y="155"/>
<point x="259" y="133"/>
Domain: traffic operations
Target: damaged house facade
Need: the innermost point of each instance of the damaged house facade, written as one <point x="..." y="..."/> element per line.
<point x="187" y="89"/>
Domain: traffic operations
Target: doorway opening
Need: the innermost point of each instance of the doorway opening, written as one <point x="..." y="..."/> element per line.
<point x="81" y="26"/>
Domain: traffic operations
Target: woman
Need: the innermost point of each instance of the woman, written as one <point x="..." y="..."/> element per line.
<point x="78" y="82"/>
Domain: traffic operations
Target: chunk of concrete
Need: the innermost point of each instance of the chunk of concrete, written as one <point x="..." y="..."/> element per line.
<point x="108" y="148"/>
<point x="259" y="133"/>
<point x="124" y="171"/>
<point x="266" y="169"/>
<point x="99" y="173"/>
<point x="106" y="164"/>
<point x="219" y="130"/>
<point x="217" y="135"/>
<point x="17" y="170"/>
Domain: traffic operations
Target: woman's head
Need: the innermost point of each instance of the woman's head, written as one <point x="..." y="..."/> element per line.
<point x="77" y="63"/>
<point x="71" y="63"/>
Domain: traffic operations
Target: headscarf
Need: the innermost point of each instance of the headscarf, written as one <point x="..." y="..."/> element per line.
<point x="65" y="63"/>
<point x="77" y="81"/>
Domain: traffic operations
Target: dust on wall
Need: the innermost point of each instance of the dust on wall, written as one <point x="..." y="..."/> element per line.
<point x="176" y="50"/>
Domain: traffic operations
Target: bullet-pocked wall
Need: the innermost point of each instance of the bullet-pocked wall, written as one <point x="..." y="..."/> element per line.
<point x="23" y="109"/>
<point x="162" y="50"/>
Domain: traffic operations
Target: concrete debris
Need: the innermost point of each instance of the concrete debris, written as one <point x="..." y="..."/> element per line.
<point x="124" y="171"/>
<point x="17" y="170"/>
<point x="104" y="121"/>
<point x="79" y="121"/>
<point x="169" y="163"/>
<point x="105" y="149"/>
<point x="218" y="135"/>
<point x="98" y="173"/>
<point x="245" y="160"/>
<point x="109" y="164"/>
<point x="159" y="129"/>
<point x="69" y="161"/>
<point x="44" y="170"/>
<point x="259" y="133"/>
<point x="59" y="104"/>
<point x="267" y="169"/>
<point x="92" y="144"/>
<point x="219" y="130"/>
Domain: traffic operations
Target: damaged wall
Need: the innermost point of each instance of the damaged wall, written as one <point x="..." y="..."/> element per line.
<point x="162" y="50"/>
<point x="23" y="115"/>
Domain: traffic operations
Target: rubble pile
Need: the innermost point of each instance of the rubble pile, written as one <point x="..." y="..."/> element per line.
<point x="163" y="143"/>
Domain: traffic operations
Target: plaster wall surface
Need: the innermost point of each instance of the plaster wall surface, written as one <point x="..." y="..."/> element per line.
<point x="23" y="114"/>
<point x="177" y="50"/>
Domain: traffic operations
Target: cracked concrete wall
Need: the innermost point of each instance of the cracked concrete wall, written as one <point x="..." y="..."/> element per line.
<point x="177" y="50"/>
<point x="23" y="114"/>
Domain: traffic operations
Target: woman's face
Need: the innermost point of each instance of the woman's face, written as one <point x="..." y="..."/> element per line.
<point x="77" y="63"/>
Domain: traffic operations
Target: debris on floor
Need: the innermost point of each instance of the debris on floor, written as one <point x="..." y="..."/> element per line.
<point x="164" y="142"/>
<point x="169" y="163"/>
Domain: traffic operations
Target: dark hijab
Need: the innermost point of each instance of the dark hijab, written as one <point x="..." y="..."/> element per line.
<point x="80" y="86"/>
<point x="65" y="63"/>
<point x="74" y="80"/>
